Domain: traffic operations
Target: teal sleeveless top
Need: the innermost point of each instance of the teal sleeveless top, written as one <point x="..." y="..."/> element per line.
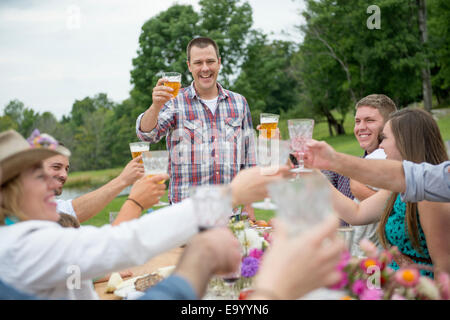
<point x="397" y="234"/>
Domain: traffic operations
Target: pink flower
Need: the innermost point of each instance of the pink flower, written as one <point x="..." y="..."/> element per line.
<point x="371" y="294"/>
<point x="268" y="237"/>
<point x="256" y="253"/>
<point x="369" y="248"/>
<point x="407" y="277"/>
<point x="443" y="282"/>
<point x="358" y="287"/>
<point x="345" y="258"/>
<point x="370" y="262"/>
<point x="341" y="283"/>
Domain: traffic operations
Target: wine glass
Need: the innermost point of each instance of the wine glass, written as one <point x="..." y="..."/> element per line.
<point x="302" y="203"/>
<point x="174" y="82"/>
<point x="156" y="162"/>
<point x="270" y="154"/>
<point x="300" y="131"/>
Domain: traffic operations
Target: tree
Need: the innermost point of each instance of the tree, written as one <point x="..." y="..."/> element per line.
<point x="370" y="60"/>
<point x="266" y="78"/>
<point x="14" y="110"/>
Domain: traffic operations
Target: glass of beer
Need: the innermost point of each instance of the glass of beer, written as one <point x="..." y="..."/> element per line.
<point x="268" y="124"/>
<point x="137" y="148"/>
<point x="156" y="162"/>
<point x="173" y="81"/>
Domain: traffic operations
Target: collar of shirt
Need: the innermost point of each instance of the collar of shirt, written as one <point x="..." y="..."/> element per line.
<point x="192" y="93"/>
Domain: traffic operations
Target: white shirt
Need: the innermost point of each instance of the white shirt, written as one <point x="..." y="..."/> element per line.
<point x="368" y="231"/>
<point x="211" y="104"/>
<point x="65" y="206"/>
<point x="43" y="259"/>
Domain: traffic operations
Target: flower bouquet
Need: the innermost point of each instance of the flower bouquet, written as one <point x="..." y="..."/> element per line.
<point x="371" y="278"/>
<point x="254" y="242"/>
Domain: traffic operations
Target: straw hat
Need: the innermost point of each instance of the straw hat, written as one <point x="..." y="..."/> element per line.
<point x="16" y="154"/>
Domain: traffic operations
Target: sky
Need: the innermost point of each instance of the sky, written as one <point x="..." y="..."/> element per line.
<point x="53" y="52"/>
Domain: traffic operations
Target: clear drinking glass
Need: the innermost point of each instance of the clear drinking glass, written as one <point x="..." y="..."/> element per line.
<point x="156" y="162"/>
<point x="137" y="148"/>
<point x="347" y="233"/>
<point x="270" y="154"/>
<point x="174" y="82"/>
<point x="212" y="205"/>
<point x="302" y="203"/>
<point x="300" y="132"/>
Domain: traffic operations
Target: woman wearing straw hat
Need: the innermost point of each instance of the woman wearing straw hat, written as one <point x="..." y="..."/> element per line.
<point x="39" y="257"/>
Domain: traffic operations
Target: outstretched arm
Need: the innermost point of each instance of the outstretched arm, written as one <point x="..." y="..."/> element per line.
<point x="383" y="174"/>
<point x="89" y="204"/>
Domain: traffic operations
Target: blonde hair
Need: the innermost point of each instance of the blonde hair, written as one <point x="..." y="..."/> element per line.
<point x="11" y="194"/>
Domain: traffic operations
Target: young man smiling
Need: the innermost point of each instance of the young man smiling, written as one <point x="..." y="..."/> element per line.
<point x="372" y="112"/>
<point x="208" y="129"/>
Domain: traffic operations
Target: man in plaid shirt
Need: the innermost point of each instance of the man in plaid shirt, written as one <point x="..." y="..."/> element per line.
<point x="208" y="129"/>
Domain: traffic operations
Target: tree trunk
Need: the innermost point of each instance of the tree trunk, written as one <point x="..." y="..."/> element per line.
<point x="425" y="71"/>
<point x="333" y="123"/>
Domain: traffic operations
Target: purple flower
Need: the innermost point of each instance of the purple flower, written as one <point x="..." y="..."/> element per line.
<point x="371" y="294"/>
<point x="256" y="253"/>
<point x="249" y="267"/>
<point x="358" y="287"/>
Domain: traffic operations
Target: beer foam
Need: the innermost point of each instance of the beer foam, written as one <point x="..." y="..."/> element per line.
<point x="269" y="120"/>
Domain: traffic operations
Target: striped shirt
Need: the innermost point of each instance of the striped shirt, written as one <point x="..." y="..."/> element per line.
<point x="204" y="148"/>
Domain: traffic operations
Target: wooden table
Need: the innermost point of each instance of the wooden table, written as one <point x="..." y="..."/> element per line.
<point x="163" y="260"/>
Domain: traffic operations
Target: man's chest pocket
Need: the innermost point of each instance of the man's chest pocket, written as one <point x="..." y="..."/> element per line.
<point x="233" y="129"/>
<point x="193" y="131"/>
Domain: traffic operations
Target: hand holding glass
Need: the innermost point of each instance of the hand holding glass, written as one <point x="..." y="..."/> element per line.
<point x="156" y="162"/>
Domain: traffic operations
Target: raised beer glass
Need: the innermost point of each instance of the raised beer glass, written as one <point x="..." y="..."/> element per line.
<point x="156" y="162"/>
<point x="268" y="124"/>
<point x="174" y="82"/>
<point x="137" y="148"/>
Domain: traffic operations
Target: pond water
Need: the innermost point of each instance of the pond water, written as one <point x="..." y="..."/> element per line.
<point x="72" y="193"/>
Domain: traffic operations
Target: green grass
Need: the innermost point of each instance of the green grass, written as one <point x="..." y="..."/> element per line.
<point x="345" y="143"/>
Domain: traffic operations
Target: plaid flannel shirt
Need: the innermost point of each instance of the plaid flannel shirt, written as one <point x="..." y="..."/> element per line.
<point x="203" y="148"/>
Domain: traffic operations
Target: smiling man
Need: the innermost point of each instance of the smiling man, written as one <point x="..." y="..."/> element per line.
<point x="372" y="112"/>
<point x="208" y="129"/>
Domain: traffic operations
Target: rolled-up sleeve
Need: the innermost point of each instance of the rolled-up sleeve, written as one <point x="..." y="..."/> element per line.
<point x="164" y="123"/>
<point x="426" y="182"/>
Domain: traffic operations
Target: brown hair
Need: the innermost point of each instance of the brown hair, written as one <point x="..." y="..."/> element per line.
<point x="383" y="103"/>
<point x="68" y="221"/>
<point x="201" y="42"/>
<point x="418" y="139"/>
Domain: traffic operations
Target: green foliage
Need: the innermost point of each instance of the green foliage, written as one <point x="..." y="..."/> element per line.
<point x="164" y="38"/>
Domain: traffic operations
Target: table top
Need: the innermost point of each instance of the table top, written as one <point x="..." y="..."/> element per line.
<point x="165" y="259"/>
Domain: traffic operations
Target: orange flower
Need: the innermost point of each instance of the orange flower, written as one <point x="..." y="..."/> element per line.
<point x="407" y="277"/>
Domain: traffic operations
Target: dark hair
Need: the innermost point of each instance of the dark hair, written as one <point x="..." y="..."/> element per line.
<point x="418" y="139"/>
<point x="68" y="221"/>
<point x="201" y="42"/>
<point x="383" y="103"/>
